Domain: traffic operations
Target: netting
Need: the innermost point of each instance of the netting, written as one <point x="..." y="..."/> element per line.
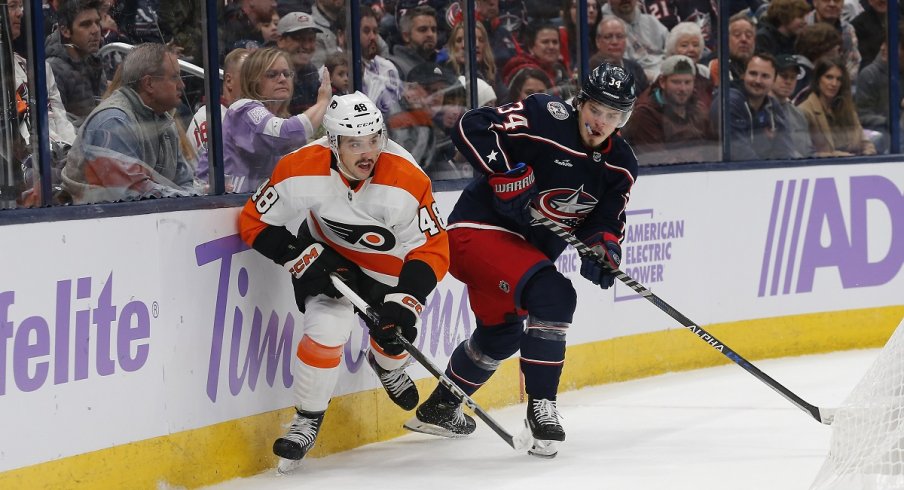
<point x="867" y="448"/>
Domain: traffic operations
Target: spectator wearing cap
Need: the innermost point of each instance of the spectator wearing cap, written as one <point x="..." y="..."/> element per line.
<point x="611" y="41"/>
<point x="788" y="70"/>
<point x="686" y="38"/>
<point x="380" y="80"/>
<point x="758" y="129"/>
<point x="829" y="12"/>
<point x="778" y="30"/>
<point x="646" y="35"/>
<point x="298" y="38"/>
<point x="669" y="125"/>
<point x="422" y="99"/>
<point x="418" y="29"/>
<point x="872" y="99"/>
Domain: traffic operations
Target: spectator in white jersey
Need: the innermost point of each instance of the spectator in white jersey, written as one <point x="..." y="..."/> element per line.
<point x="646" y="35"/>
<point x="232" y="67"/>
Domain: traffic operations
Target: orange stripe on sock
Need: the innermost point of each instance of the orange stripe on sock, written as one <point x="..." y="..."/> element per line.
<point x="318" y="355"/>
<point x="376" y="347"/>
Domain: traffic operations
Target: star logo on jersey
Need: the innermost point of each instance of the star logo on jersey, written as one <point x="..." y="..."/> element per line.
<point x="372" y="237"/>
<point x="557" y="110"/>
<point x="568" y="207"/>
<point x="492" y="156"/>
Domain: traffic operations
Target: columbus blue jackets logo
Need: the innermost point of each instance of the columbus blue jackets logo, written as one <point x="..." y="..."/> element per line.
<point x="557" y="110"/>
<point x="566" y="206"/>
<point x="372" y="237"/>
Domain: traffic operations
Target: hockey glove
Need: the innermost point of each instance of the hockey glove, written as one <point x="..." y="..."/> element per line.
<point x="400" y="313"/>
<point x="311" y="271"/>
<point x="513" y="192"/>
<point x="607" y="247"/>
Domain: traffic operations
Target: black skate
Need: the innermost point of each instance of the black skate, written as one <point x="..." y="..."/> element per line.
<point x="398" y="384"/>
<point x="543" y="421"/>
<point x="298" y="440"/>
<point x="441" y="418"/>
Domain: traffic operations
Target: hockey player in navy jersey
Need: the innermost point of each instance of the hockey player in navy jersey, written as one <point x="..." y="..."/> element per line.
<point x="565" y="160"/>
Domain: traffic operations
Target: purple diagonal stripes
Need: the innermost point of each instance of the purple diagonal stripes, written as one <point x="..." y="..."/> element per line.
<point x="783" y="234"/>
<point x="770" y="235"/>
<point x="795" y="235"/>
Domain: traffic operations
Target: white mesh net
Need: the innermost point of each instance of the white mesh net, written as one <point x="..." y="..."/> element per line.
<point x="867" y="449"/>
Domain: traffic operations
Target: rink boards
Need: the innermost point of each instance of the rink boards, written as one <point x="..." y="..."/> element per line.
<point x="154" y="350"/>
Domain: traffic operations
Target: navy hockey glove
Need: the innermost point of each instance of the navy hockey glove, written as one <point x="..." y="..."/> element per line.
<point x="513" y="192"/>
<point x="311" y="271"/>
<point x="607" y="247"/>
<point x="400" y="313"/>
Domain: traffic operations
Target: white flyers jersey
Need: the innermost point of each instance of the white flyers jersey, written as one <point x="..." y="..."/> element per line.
<point x="383" y="221"/>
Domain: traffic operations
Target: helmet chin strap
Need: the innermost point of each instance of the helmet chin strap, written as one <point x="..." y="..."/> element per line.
<point x="343" y="172"/>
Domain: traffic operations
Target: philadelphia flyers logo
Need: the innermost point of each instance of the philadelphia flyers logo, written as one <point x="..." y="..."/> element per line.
<point x="568" y="207"/>
<point x="372" y="237"/>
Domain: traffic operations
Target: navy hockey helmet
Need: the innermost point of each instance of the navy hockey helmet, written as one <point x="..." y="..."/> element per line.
<point x="611" y="86"/>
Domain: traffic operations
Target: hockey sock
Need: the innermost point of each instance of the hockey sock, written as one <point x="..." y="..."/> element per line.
<point x="542" y="357"/>
<point x="475" y="360"/>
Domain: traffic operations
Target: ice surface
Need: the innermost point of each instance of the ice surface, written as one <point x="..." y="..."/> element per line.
<point x="712" y="429"/>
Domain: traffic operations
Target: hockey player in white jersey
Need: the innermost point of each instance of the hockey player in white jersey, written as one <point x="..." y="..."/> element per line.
<point x="368" y="215"/>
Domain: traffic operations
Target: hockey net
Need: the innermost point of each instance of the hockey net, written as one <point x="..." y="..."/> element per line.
<point x="867" y="448"/>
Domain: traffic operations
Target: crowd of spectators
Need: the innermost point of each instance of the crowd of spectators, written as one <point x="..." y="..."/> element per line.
<point x="807" y="78"/>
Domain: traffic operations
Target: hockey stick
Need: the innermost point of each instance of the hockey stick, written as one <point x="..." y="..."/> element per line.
<point x="822" y="415"/>
<point x="519" y="443"/>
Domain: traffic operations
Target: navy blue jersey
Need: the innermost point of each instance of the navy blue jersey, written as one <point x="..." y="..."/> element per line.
<point x="583" y="189"/>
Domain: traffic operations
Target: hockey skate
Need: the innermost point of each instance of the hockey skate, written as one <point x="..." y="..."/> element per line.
<point x="543" y="421"/>
<point x="398" y="384"/>
<point x="300" y="438"/>
<point x="441" y="418"/>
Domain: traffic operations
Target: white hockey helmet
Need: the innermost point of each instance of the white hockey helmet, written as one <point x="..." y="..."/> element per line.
<point x="353" y="115"/>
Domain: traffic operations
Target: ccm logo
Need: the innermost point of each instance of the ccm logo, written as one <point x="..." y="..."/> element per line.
<point x="306" y="258"/>
<point x="413" y="304"/>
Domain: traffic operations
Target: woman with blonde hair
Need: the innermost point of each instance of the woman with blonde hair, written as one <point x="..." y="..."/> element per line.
<point x="834" y="126"/>
<point x="257" y="128"/>
<point x="486" y="62"/>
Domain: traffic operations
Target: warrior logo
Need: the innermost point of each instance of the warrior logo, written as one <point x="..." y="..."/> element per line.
<point x="372" y="237"/>
<point x="568" y="207"/>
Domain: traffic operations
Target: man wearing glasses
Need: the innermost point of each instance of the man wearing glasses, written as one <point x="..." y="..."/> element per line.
<point x="128" y="147"/>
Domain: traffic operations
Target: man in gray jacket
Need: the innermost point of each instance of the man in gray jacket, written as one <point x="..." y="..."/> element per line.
<point x="418" y="29"/>
<point x="128" y="147"/>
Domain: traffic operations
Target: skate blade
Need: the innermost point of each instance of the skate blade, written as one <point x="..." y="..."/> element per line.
<point x="288" y="466"/>
<point x="544" y="449"/>
<point x="415" y="425"/>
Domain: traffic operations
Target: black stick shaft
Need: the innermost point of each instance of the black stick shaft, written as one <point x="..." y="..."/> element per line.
<point x="705" y="336"/>
<point x="427" y="363"/>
